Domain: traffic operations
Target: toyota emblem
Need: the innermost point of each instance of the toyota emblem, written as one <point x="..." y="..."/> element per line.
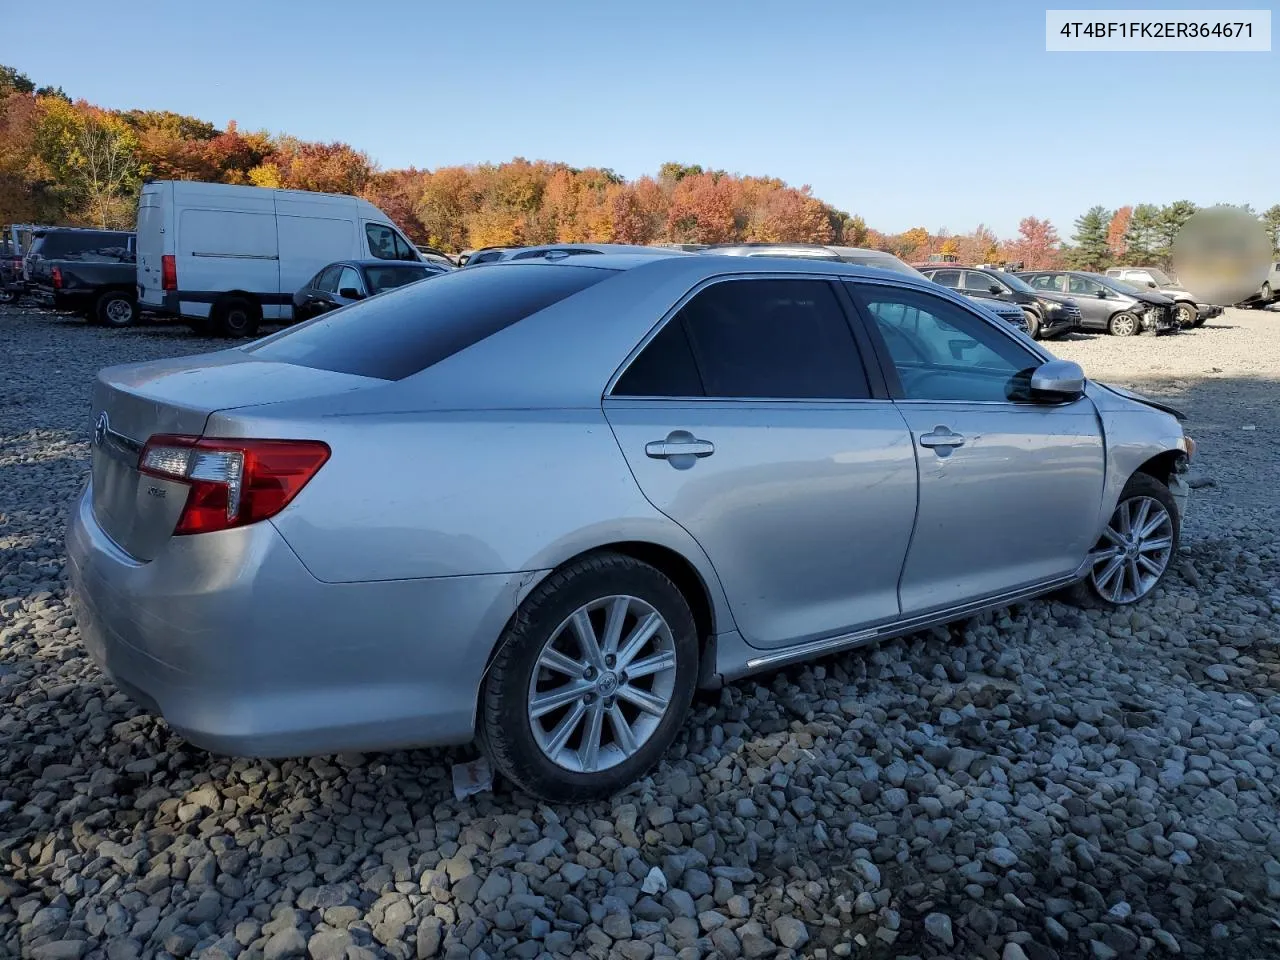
<point x="100" y="429"/>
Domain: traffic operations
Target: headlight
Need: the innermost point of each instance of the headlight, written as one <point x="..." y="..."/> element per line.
<point x="1187" y="446"/>
<point x="1052" y="306"/>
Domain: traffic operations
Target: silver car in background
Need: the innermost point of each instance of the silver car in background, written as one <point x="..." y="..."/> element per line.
<point x="538" y="504"/>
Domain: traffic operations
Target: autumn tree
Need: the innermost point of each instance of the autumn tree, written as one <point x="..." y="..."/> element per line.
<point x="1117" y="230"/>
<point x="1037" y="246"/>
<point x="25" y="180"/>
<point x="701" y="210"/>
<point x="94" y="156"/>
<point x="447" y="199"/>
<point x="1091" y="251"/>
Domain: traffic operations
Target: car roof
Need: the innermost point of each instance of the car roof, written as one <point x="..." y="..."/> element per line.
<point x="376" y="262"/>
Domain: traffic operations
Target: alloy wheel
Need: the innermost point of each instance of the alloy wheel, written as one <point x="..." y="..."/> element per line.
<point x="1134" y="552"/>
<point x="603" y="683"/>
<point x="119" y="312"/>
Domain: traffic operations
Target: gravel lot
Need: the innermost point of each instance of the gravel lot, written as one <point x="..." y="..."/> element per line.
<point x="1038" y="783"/>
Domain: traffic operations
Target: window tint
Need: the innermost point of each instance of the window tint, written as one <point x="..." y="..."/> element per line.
<point x="349" y="279"/>
<point x="385" y="278"/>
<point x="1083" y="285"/>
<point x="773" y="339"/>
<point x="947" y="278"/>
<point x="328" y="281"/>
<point x="665" y="368"/>
<point x="974" y="280"/>
<point x="944" y="352"/>
<point x="486" y="257"/>
<point x="73" y="244"/>
<point x="407" y="330"/>
<point x="1045" y="281"/>
<point x="386" y="244"/>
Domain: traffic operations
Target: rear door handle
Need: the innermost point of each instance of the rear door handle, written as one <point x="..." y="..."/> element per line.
<point x="941" y="437"/>
<point x="679" y="443"/>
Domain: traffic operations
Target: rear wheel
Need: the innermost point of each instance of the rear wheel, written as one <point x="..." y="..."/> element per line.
<point x="1264" y="295"/>
<point x="592" y="680"/>
<point x="115" y="308"/>
<point x="1123" y="325"/>
<point x="236" y="317"/>
<point x="1136" y="548"/>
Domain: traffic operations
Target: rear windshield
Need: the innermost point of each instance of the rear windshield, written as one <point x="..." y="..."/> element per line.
<point x="384" y="278"/>
<point x="67" y="246"/>
<point x="404" y="331"/>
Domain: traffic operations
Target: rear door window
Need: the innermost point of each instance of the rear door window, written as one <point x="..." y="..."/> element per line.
<point x="407" y="330"/>
<point x="328" y="279"/>
<point x="947" y="278"/>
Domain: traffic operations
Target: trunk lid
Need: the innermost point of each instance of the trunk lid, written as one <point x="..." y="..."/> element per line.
<point x="133" y="403"/>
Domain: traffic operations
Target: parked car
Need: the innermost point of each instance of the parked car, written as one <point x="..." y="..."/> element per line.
<point x="89" y="271"/>
<point x="539" y="503"/>
<point x="1268" y="291"/>
<point x="879" y="259"/>
<point x="347" y="281"/>
<point x="1048" y="314"/>
<point x="227" y="257"/>
<point x="14" y="244"/>
<point x="1107" y="303"/>
<point x="1187" y="310"/>
<point x="436" y="257"/>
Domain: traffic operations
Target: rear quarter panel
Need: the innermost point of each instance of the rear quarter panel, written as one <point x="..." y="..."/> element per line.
<point x="447" y="494"/>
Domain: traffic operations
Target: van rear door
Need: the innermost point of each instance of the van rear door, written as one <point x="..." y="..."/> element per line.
<point x="151" y="238"/>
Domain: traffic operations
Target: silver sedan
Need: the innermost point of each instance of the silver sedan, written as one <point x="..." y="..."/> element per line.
<point x="538" y="504"/>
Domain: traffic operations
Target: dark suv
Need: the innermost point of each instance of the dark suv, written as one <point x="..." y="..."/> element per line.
<point x="71" y="268"/>
<point x="1048" y="314"/>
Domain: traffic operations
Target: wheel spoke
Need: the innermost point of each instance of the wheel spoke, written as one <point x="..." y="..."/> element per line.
<point x="1153" y="546"/>
<point x="1114" y="565"/>
<point x="1110" y="533"/>
<point x="1125" y="517"/>
<point x="640" y="634"/>
<point x="564" y="729"/>
<point x="622" y="732"/>
<point x="1150" y="565"/>
<point x="589" y="753"/>
<point x="1154" y="524"/>
<point x="650" y="703"/>
<point x="553" y="659"/>
<point x="1131" y="568"/>
<point x="663" y="660"/>
<point x="1140" y="521"/>
<point x="587" y="640"/>
<point x="613" y="624"/>
<point x="544" y="703"/>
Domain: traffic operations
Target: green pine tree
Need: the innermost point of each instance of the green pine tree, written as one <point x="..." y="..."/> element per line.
<point x="1271" y="221"/>
<point x="1141" y="239"/>
<point x="1169" y="221"/>
<point x="1091" y="250"/>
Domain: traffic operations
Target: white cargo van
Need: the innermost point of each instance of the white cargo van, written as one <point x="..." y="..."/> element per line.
<point x="227" y="257"/>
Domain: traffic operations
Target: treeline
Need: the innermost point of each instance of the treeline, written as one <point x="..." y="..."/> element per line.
<point x="75" y="163"/>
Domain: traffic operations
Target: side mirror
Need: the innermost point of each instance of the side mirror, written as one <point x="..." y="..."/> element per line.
<point x="994" y="288"/>
<point x="350" y="293"/>
<point x="1057" y="380"/>
<point x="1102" y="294"/>
<point x="1151" y="284"/>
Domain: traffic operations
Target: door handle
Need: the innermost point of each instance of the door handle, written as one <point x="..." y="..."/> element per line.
<point x="679" y="443"/>
<point x="941" y="437"/>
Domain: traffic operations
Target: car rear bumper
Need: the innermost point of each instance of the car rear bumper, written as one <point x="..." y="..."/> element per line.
<point x="244" y="652"/>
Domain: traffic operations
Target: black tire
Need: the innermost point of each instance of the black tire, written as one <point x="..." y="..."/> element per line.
<point x="8" y="296"/>
<point x="1185" y="315"/>
<point x="1085" y="593"/>
<point x="1124" y="324"/>
<point x="1264" y="295"/>
<point x="1033" y="324"/>
<point x="236" y="317"/>
<point x="116" y="308"/>
<point x="505" y="729"/>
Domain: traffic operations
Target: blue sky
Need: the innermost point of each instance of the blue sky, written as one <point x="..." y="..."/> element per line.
<point x="934" y="114"/>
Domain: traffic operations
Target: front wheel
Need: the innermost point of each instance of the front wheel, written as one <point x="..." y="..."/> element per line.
<point x="1264" y="295"/>
<point x="1137" y="546"/>
<point x="592" y="680"/>
<point x="1033" y="324"/>
<point x="116" y="309"/>
<point x="1186" y="315"/>
<point x="1123" y="325"/>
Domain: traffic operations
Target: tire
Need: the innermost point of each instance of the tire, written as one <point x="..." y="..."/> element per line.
<point x="523" y="747"/>
<point x="1124" y="324"/>
<point x="1264" y="295"/>
<point x="236" y="317"/>
<point x="8" y="296"/>
<point x="1100" y="587"/>
<point x="115" y="308"/>
<point x="1033" y="324"/>
<point x="1186" y="315"/>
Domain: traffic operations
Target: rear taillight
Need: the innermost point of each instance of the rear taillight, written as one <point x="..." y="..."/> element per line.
<point x="233" y="482"/>
<point x="56" y="275"/>
<point x="168" y="273"/>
